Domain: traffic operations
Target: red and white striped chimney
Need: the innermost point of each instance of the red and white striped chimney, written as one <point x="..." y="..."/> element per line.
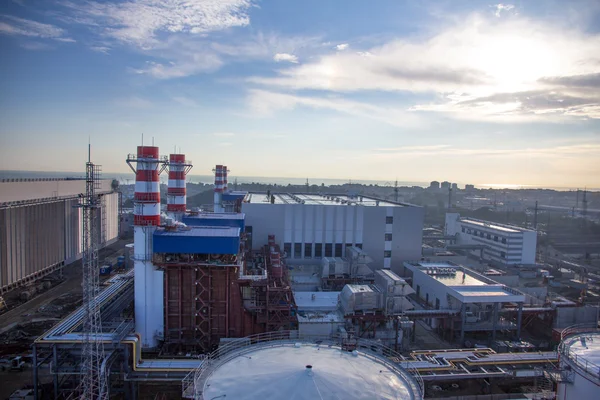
<point x="176" y="191"/>
<point x="225" y="178"/>
<point x="219" y="188"/>
<point x="147" y="187"/>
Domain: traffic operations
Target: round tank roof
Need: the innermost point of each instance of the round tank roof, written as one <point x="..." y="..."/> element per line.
<point x="584" y="350"/>
<point x="308" y="371"/>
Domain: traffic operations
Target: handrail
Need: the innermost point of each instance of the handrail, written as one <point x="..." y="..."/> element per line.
<point x="564" y="349"/>
<point x="193" y="383"/>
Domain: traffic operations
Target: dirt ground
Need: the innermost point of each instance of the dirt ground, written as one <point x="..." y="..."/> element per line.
<point x="20" y="326"/>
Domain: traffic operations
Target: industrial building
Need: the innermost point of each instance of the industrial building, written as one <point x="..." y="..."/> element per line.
<point x="501" y="244"/>
<point x="40" y="226"/>
<point x="471" y="301"/>
<point x="322" y="225"/>
<point x="231" y="303"/>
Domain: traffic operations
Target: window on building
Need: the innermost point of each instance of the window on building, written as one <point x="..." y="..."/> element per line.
<point x="307" y="250"/>
<point x="503" y="240"/>
<point x="287" y="247"/>
<point x="389" y="220"/>
<point x="481" y="234"/>
<point x="318" y="250"/>
<point x="489" y="236"/>
<point x="388" y="237"/>
<point x="495" y="238"/>
<point x="463" y="229"/>
<point x="359" y="245"/>
<point x="469" y="231"/>
<point x="437" y="303"/>
<point x="328" y="249"/>
<point x="387" y="254"/>
<point x="418" y="290"/>
<point x="502" y="254"/>
<point x="297" y="250"/>
<point x="338" y="249"/>
<point x="475" y="232"/>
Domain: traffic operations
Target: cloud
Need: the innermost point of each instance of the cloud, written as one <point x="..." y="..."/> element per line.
<point x="265" y="103"/>
<point x="188" y="64"/>
<point x="16" y="26"/>
<point x="342" y="46"/>
<point x="572" y="151"/>
<point x="139" y="22"/>
<point x="36" y="46"/>
<point x="492" y="69"/>
<point x="591" y="81"/>
<point x="502" y="8"/>
<point x="101" y="49"/>
<point x="285" y="57"/>
<point x="538" y="105"/>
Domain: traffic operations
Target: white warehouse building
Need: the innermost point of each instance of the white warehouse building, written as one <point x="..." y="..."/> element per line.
<point x="319" y="225"/>
<point x="503" y="244"/>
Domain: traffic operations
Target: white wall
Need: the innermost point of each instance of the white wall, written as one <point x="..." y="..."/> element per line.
<point x="339" y="224"/>
<point x="529" y="247"/>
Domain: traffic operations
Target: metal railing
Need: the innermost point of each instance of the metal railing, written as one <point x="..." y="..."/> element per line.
<point x="564" y="349"/>
<point x="193" y="383"/>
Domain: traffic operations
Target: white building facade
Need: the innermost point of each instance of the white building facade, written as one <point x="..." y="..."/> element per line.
<point x="503" y="244"/>
<point x="314" y="226"/>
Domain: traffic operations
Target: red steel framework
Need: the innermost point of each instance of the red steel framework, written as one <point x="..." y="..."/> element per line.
<point x="203" y="298"/>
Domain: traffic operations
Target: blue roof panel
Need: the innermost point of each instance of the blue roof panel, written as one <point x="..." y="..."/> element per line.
<point x="197" y="240"/>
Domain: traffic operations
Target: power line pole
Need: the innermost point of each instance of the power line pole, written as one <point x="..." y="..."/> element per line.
<point x="94" y="382"/>
<point x="396" y="191"/>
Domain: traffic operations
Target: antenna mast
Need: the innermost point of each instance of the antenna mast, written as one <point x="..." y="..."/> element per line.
<point x="94" y="383"/>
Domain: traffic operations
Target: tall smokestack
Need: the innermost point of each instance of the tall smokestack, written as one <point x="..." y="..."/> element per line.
<point x="148" y="286"/>
<point x="176" y="191"/>
<point x="225" y="178"/>
<point x="219" y="187"/>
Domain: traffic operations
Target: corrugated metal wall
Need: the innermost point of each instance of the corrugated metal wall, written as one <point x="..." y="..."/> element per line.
<point x="37" y="238"/>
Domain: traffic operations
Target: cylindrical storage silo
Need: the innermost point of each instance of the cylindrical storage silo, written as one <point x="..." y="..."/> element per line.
<point x="579" y="364"/>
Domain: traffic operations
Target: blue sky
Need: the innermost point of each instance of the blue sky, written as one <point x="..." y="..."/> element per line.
<point x="465" y="91"/>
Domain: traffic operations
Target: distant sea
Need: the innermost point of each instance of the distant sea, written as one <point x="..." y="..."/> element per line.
<point x="128" y="178"/>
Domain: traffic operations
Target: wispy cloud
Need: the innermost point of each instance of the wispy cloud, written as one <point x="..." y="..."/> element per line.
<point x="36" y="46"/>
<point x="139" y="22"/>
<point x="502" y="8"/>
<point x="573" y="151"/>
<point x="265" y="103"/>
<point x="342" y="46"/>
<point x="467" y="66"/>
<point x="285" y="57"/>
<point x="10" y="25"/>
<point x="101" y="49"/>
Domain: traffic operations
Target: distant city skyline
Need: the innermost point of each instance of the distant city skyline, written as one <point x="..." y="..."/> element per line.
<point x="476" y="92"/>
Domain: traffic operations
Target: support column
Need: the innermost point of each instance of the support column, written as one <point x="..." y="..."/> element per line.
<point x="463" y="317"/>
<point x="519" y="318"/>
<point x="35" y="374"/>
<point x="55" y="362"/>
<point x="494" y="320"/>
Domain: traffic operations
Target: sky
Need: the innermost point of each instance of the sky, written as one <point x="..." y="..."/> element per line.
<point x="460" y="90"/>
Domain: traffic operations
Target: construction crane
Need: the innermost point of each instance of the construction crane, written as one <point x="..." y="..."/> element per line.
<point x="94" y="382"/>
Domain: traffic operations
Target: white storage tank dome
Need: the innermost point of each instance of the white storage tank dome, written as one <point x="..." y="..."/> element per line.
<point x="307" y="371"/>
